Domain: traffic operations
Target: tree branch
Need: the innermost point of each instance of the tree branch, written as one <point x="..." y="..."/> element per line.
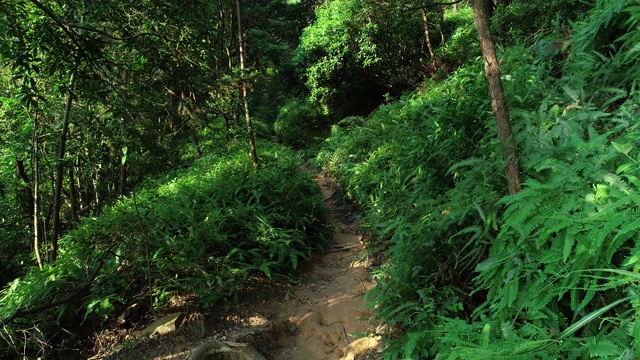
<point x="63" y="25"/>
<point x="69" y="29"/>
<point x="113" y="37"/>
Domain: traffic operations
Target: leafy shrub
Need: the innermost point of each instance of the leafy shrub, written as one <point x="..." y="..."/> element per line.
<point x="300" y="124"/>
<point x="205" y="230"/>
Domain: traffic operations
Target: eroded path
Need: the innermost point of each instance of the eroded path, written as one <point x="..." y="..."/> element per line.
<point x="322" y="316"/>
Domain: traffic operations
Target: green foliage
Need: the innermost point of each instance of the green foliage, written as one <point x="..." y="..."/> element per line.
<point x="150" y="77"/>
<point x="205" y="230"/>
<point x="577" y="212"/>
<point x="538" y="291"/>
<point x="358" y="51"/>
<point x="605" y="52"/>
<point x="300" y="124"/>
<point x="522" y="19"/>
<point x="462" y="44"/>
<point x="335" y="52"/>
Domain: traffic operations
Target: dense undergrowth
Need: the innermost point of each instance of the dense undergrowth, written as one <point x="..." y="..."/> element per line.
<point x="471" y="273"/>
<point x="205" y="230"/>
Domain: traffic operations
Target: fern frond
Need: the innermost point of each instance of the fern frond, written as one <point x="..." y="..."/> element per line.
<point x="602" y="348"/>
<point x="413" y="339"/>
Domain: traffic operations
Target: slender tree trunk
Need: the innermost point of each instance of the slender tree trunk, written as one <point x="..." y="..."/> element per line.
<point x="441" y="25"/>
<point x="432" y="54"/>
<point x="37" y="234"/>
<point x="57" y="197"/>
<point x="28" y="193"/>
<point x="73" y="198"/>
<point x="252" y="141"/>
<point x="80" y="180"/>
<point x="196" y="143"/>
<point x="498" y="100"/>
<point x="122" y="182"/>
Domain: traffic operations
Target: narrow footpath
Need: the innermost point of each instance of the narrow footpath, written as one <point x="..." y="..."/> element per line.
<point x="328" y="310"/>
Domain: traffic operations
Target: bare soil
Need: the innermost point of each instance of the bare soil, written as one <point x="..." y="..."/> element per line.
<point x="321" y="314"/>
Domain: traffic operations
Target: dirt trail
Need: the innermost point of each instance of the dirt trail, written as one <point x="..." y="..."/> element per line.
<point x="326" y="312"/>
<point x="321" y="317"/>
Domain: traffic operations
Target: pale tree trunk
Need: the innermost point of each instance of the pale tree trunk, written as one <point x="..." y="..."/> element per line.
<point x="37" y="235"/>
<point x="498" y="100"/>
<point x="252" y="141"/>
<point x="122" y="182"/>
<point x="441" y="25"/>
<point x="57" y="199"/>
<point x="432" y="54"/>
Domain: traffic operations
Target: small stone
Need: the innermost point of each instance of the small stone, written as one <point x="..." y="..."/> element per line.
<point x="292" y="329"/>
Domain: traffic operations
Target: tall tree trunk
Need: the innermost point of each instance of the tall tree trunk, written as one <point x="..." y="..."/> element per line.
<point x="441" y="25"/>
<point x="432" y="54"/>
<point x="73" y="197"/>
<point x="37" y="233"/>
<point x="122" y="182"/>
<point x="252" y="141"/>
<point x="81" y="188"/>
<point x="498" y="100"/>
<point x="57" y="196"/>
<point x="28" y="193"/>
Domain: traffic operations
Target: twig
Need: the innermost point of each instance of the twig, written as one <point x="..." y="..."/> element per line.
<point x="335" y="261"/>
<point x="362" y="284"/>
<point x="305" y="301"/>
<point x="345" y="336"/>
<point x="343" y="247"/>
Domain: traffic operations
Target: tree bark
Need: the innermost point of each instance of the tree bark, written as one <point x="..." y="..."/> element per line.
<point x="196" y="143"/>
<point x="252" y="141"/>
<point x="432" y="54"/>
<point x="498" y="100"/>
<point x="57" y="199"/>
<point x="28" y="194"/>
